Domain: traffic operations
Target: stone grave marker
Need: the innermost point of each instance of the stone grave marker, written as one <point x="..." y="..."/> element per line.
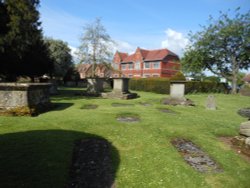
<point x="177" y="89"/>
<point x="211" y="103"/>
<point x="120" y="90"/>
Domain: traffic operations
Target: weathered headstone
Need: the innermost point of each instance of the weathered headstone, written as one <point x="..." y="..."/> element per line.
<point x="211" y="103"/>
<point x="121" y="85"/>
<point x="120" y="90"/>
<point x="177" y="92"/>
<point x="24" y="98"/>
<point x="177" y="89"/>
<point x="95" y="86"/>
<point x="245" y="128"/>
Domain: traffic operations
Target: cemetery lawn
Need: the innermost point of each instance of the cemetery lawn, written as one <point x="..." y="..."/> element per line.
<point x="36" y="152"/>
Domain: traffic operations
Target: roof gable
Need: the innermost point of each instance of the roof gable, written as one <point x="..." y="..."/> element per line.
<point x="148" y="55"/>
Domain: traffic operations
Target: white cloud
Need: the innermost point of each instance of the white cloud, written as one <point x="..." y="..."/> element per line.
<point x="123" y="46"/>
<point x="175" y="41"/>
<point x="73" y="52"/>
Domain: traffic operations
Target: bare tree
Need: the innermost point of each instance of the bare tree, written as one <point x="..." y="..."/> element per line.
<point x="96" y="45"/>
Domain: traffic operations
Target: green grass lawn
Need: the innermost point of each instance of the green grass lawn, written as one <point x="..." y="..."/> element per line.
<point x="36" y="151"/>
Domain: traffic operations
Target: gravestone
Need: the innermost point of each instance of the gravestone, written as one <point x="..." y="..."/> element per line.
<point x="177" y="92"/>
<point x="95" y="86"/>
<point x="121" y="85"/>
<point x="24" y="98"/>
<point x="177" y="89"/>
<point x="245" y="128"/>
<point x="211" y="103"/>
<point x="120" y="90"/>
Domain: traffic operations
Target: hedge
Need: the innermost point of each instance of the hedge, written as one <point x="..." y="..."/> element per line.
<point x="162" y="86"/>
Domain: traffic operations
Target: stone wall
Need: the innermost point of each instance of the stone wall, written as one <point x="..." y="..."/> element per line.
<point x="33" y="97"/>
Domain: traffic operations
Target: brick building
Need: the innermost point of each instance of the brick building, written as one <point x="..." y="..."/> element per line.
<point x="146" y="63"/>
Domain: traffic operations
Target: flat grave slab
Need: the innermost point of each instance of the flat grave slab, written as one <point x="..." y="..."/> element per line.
<point x="195" y="157"/>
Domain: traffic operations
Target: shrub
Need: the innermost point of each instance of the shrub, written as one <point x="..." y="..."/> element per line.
<point x="162" y="86"/>
<point x="156" y="85"/>
<point x="178" y="76"/>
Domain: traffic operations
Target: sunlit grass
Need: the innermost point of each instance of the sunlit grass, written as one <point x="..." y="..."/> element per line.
<point x="36" y="151"/>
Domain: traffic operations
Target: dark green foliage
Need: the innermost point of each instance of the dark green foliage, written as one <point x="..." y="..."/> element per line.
<point x="205" y="87"/>
<point x="162" y="86"/>
<point x="212" y="79"/>
<point x="22" y="51"/>
<point x="157" y="85"/>
<point x="178" y="76"/>
<point x="60" y="55"/>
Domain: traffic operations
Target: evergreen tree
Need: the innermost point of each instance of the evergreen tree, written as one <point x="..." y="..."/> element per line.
<point x="22" y="52"/>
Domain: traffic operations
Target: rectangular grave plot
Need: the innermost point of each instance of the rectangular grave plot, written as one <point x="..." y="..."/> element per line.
<point x="195" y="157"/>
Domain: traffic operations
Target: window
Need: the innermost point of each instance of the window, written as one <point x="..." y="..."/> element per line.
<point x="130" y="66"/>
<point x="123" y="66"/>
<point x="146" y="65"/>
<point x="146" y="75"/>
<point x="115" y="66"/>
<point x="137" y="65"/>
<point x="156" y="65"/>
<point x="130" y="76"/>
<point x="156" y="75"/>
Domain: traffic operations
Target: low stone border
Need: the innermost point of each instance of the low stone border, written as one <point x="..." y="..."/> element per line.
<point x="195" y="157"/>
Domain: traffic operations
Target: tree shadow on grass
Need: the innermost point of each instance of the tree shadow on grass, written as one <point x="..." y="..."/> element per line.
<point x="59" y="106"/>
<point x="44" y="159"/>
<point x="74" y="94"/>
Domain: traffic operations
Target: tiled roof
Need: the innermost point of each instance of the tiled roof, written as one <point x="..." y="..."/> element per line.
<point x="149" y="55"/>
<point x="129" y="58"/>
<point x="83" y="67"/>
<point x="154" y="55"/>
<point x="123" y="55"/>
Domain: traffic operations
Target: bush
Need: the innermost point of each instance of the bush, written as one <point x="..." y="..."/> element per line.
<point x="179" y="76"/>
<point x="162" y="86"/>
<point x="205" y="87"/>
<point x="156" y="85"/>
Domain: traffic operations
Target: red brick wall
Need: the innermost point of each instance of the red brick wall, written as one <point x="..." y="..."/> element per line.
<point x="168" y="67"/>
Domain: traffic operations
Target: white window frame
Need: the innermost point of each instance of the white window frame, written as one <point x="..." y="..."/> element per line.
<point x="115" y="66"/>
<point x="156" y="75"/>
<point x="124" y="66"/>
<point x="137" y="65"/>
<point x="130" y="66"/>
<point x="146" y="75"/>
<point x="158" y="63"/>
<point x="147" y="63"/>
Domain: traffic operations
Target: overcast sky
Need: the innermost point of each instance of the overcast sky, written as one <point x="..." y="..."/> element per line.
<point x="149" y="24"/>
